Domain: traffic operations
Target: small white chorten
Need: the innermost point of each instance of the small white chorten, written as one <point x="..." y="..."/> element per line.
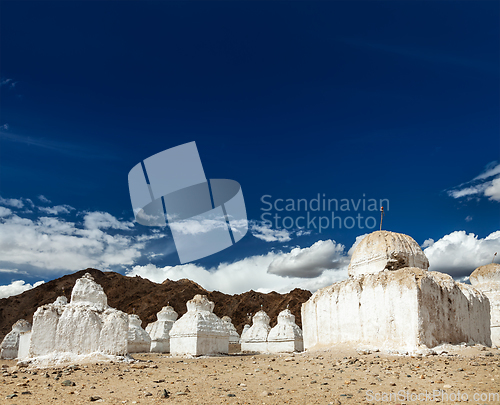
<point x="199" y="331"/>
<point x="286" y="336"/>
<point x="487" y="280"/>
<point x="234" y="338"/>
<point x="9" y="347"/>
<point x="159" y="331"/>
<point x="138" y="339"/>
<point x="255" y="337"/>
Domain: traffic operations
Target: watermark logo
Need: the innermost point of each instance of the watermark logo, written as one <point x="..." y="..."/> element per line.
<point x="205" y="216"/>
<point x="431" y="396"/>
<point x="322" y="213"/>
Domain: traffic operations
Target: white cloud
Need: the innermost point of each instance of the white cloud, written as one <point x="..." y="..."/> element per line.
<point x="12" y="202"/>
<point x="193" y="226"/>
<point x="356" y="243"/>
<point x="427" y="243"/>
<point x="53" y="244"/>
<point x="152" y="236"/>
<point x="44" y="199"/>
<point x="8" y="82"/>
<point x="493" y="190"/>
<point x="459" y="253"/>
<point x="252" y="272"/>
<point x="468" y="191"/>
<point x="235" y="278"/>
<point x="16" y="271"/>
<point x="16" y="287"/>
<point x="492" y="169"/>
<point x="104" y="220"/>
<point x="4" y="212"/>
<point x="481" y="185"/>
<point x="57" y="209"/>
<point x="468" y="218"/>
<point x="266" y="233"/>
<point x="309" y="262"/>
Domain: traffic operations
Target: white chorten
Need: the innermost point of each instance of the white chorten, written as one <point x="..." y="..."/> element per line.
<point x="487" y="280"/>
<point x="138" y="339"/>
<point x="159" y="331"/>
<point x="199" y="331"/>
<point x="234" y="337"/>
<point x="9" y="347"/>
<point x="245" y="328"/>
<point x="86" y="325"/>
<point x="389" y="304"/>
<point x="286" y="336"/>
<point x="255" y="337"/>
<point x="384" y="250"/>
<point x="61" y="300"/>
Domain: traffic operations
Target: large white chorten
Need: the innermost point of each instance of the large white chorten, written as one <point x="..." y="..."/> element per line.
<point x="391" y="302"/>
<point x="86" y="325"/>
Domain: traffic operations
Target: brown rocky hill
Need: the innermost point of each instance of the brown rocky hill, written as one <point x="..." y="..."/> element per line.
<point x="145" y="298"/>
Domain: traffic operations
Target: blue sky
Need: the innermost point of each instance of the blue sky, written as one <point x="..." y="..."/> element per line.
<point x="375" y="100"/>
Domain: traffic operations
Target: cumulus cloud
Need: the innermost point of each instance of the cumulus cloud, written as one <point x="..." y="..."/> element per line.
<point x="17" y="287"/>
<point x="309" y="262"/>
<point x="5" y="212"/>
<point x="53" y="244"/>
<point x="486" y="184"/>
<point x="266" y="233"/>
<point x="493" y="190"/>
<point x="104" y="220"/>
<point x="356" y="243"/>
<point x="44" y="199"/>
<point x="263" y="230"/>
<point x="235" y="278"/>
<point x="427" y="243"/>
<point x="310" y="268"/>
<point x="12" y="202"/>
<point x="194" y="226"/>
<point x="459" y="253"/>
<point x="57" y="209"/>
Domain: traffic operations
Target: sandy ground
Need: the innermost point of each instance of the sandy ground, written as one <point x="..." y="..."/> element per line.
<point x="335" y="376"/>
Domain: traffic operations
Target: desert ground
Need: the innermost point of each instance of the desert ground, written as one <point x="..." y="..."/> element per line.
<point x="334" y="376"/>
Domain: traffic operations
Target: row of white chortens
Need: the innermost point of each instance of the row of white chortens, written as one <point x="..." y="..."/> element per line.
<point x="390" y="302"/>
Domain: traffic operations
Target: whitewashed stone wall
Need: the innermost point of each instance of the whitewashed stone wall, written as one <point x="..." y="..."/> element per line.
<point x="487" y="279"/>
<point x="24" y="345"/>
<point x="199" y="331"/>
<point x="396" y="310"/>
